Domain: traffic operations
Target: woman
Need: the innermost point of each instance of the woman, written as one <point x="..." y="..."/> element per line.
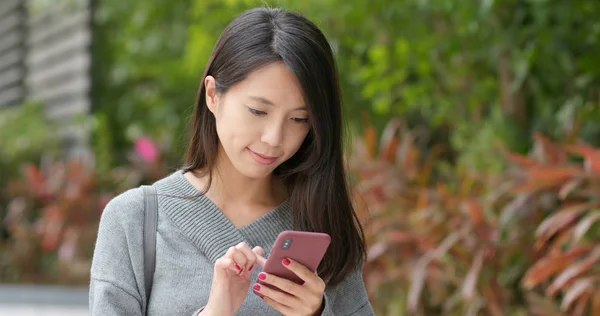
<point x="265" y="155"/>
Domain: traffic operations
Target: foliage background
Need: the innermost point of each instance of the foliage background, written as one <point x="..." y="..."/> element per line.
<point x="469" y="72"/>
<point x="448" y="103"/>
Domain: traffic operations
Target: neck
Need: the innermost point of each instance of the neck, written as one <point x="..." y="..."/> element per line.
<point x="230" y="186"/>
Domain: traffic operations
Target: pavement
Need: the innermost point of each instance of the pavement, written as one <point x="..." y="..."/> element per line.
<point x="42" y="310"/>
<point x="29" y="300"/>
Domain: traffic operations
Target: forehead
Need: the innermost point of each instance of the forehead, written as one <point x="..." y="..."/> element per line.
<point x="273" y="82"/>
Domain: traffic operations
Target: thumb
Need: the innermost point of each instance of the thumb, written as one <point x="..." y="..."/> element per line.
<point x="260" y="260"/>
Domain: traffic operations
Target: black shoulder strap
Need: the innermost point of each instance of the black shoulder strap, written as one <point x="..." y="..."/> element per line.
<point x="150" y="226"/>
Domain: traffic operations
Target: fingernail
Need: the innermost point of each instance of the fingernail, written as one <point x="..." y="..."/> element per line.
<point x="262" y="276"/>
<point x="238" y="267"/>
<point x="256" y="287"/>
<point x="286" y="261"/>
<point x="262" y="297"/>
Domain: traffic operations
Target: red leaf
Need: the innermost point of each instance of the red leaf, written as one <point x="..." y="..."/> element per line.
<point x="389" y="150"/>
<point x="389" y="140"/>
<point x="50" y="227"/>
<point x="422" y="199"/>
<point x="581" y="150"/>
<point x="35" y="180"/>
<point x="561" y="219"/>
<point x="579" y="288"/>
<point x="559" y="241"/>
<point x="420" y="269"/>
<point x="548" y="151"/>
<point x="370" y="135"/>
<point x="541" y="306"/>
<point x="596" y="303"/>
<point x="399" y="236"/>
<point x="371" y="140"/>
<point x="417" y="281"/>
<point x="492" y="302"/>
<point x="376" y="250"/>
<point x="409" y="159"/>
<point x="581" y="304"/>
<point x="592" y="164"/>
<point x="550" y="265"/>
<point x="468" y="289"/>
<point x="590" y="154"/>
<point x="584" y="225"/>
<point x="544" y="177"/>
<point x="532" y="186"/>
<point x="552" y="174"/>
<point x="511" y="208"/>
<point x="569" y="187"/>
<point x="573" y="272"/>
<point x="475" y="211"/>
<point x="519" y="160"/>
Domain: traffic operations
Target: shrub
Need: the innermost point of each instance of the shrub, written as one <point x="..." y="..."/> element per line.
<point x="53" y="213"/>
<point x="443" y="241"/>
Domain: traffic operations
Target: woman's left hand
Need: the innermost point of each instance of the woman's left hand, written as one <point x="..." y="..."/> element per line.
<point x="305" y="299"/>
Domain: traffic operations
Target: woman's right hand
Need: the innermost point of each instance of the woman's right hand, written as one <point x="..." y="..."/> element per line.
<point x="231" y="279"/>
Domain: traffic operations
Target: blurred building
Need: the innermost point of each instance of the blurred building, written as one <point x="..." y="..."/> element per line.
<point x="45" y="57"/>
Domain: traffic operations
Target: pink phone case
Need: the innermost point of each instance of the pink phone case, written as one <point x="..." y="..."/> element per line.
<point x="307" y="248"/>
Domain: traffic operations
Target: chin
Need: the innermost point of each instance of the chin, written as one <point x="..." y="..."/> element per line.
<point x="258" y="175"/>
<point x="255" y="172"/>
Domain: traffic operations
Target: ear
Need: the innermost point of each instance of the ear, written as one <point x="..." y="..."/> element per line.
<point x="211" y="95"/>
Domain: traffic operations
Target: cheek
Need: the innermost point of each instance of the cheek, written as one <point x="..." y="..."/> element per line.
<point x="235" y="128"/>
<point x="295" y="138"/>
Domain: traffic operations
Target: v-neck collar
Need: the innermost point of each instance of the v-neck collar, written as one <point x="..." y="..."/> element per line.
<point x="206" y="225"/>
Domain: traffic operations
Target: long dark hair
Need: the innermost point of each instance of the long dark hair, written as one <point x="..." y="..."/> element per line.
<point x="315" y="175"/>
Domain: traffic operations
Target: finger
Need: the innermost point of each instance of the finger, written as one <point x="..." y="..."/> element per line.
<point x="238" y="258"/>
<point x="223" y="264"/>
<point x="260" y="260"/>
<point x="283" y="284"/>
<point x="250" y="255"/>
<point x="258" y="250"/>
<point x="285" y="310"/>
<point x="278" y="296"/>
<point x="310" y="278"/>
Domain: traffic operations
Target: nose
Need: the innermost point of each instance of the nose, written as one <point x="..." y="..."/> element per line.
<point x="273" y="135"/>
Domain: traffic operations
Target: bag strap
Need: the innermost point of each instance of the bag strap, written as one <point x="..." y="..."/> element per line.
<point x="150" y="227"/>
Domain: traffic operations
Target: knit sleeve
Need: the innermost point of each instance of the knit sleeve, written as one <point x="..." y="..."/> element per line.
<point x="117" y="279"/>
<point x="107" y="298"/>
<point x="348" y="298"/>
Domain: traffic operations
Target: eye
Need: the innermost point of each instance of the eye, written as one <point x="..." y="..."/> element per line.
<point x="256" y="112"/>
<point x="300" y="120"/>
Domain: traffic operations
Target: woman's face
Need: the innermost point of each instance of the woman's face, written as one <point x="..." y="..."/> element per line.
<point x="261" y="121"/>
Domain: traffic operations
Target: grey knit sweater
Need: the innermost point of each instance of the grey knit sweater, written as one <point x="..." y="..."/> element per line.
<point x="192" y="235"/>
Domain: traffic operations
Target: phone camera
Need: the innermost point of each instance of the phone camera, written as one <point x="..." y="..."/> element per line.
<point x="286" y="243"/>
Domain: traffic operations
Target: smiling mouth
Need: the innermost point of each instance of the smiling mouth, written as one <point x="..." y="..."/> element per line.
<point x="262" y="159"/>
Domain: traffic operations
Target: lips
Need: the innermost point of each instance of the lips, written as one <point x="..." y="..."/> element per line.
<point x="262" y="159"/>
<point x="265" y="157"/>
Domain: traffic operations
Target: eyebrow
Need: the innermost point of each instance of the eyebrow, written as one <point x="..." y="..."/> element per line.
<point x="268" y="102"/>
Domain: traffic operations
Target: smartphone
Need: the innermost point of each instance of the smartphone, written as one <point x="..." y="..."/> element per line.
<point x="306" y="248"/>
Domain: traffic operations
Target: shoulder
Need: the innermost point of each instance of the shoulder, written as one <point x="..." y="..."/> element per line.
<point x="120" y="234"/>
<point x="118" y="254"/>
<point x="126" y="204"/>
<point x="124" y="210"/>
